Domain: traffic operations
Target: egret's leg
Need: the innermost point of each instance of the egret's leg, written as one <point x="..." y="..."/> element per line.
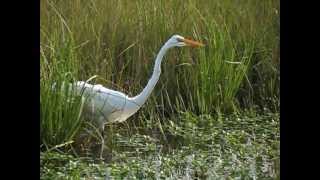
<point x="102" y="143"/>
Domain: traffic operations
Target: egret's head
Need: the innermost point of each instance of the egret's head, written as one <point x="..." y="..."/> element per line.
<point x="179" y="41"/>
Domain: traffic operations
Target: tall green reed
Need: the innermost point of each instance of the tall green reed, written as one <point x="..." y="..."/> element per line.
<point x="60" y="108"/>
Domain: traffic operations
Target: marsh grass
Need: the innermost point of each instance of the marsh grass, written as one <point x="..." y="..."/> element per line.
<point x="119" y="40"/>
<point x="238" y="68"/>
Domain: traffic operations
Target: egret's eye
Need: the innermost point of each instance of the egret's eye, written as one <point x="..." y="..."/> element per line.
<point x="179" y="39"/>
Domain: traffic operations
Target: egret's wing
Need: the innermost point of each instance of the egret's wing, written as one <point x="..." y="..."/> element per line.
<point x="102" y="100"/>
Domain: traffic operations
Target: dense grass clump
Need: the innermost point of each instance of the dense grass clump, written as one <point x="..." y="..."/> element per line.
<point x="60" y="109"/>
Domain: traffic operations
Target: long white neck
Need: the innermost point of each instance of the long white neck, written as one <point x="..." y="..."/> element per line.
<point x="141" y="98"/>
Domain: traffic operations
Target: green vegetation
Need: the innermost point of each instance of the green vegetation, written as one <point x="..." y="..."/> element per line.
<point x="206" y="116"/>
<point x="235" y="147"/>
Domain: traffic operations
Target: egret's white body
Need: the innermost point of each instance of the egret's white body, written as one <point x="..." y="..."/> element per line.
<point x="104" y="105"/>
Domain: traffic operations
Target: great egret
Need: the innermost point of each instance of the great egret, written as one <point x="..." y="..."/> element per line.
<point x="104" y="105"/>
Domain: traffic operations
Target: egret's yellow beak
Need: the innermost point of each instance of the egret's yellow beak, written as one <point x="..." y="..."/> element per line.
<point x="192" y="43"/>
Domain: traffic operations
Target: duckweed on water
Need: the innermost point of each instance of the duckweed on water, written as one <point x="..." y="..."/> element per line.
<point x="235" y="147"/>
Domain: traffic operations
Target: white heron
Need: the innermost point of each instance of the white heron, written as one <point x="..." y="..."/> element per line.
<point x="104" y="105"/>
